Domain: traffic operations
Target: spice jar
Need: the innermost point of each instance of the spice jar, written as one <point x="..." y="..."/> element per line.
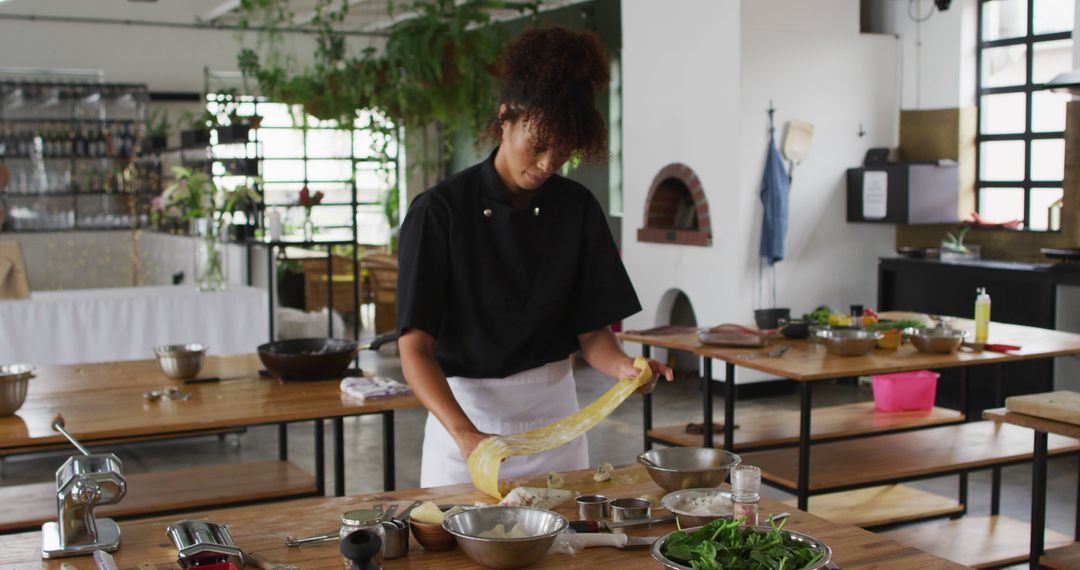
<point x="363" y="519"/>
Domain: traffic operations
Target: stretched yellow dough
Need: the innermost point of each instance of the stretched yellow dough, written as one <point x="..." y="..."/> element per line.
<point x="485" y="459"/>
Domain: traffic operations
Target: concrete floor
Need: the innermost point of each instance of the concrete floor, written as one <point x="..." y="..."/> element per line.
<point x="616" y="440"/>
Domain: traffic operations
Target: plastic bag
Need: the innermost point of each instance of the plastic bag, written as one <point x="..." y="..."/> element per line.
<point x="567" y="542"/>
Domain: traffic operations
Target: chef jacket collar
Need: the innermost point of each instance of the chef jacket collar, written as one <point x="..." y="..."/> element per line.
<point x="497" y="191"/>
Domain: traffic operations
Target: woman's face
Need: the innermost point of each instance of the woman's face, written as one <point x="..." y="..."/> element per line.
<point x="523" y="162"/>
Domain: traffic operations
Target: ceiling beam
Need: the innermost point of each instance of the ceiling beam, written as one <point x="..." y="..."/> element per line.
<point x="220" y="10"/>
<point x="307" y="18"/>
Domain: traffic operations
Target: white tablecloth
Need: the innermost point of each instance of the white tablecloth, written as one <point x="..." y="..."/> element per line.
<point x="102" y="325"/>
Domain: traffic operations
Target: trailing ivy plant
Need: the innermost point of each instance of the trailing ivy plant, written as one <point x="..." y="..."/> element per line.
<point x="437" y="68"/>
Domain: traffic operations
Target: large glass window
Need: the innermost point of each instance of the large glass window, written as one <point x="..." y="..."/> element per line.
<point x="1021" y="140"/>
<point x="298" y="150"/>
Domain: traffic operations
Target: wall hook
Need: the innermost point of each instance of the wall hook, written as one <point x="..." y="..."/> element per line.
<point x="862" y="131"/>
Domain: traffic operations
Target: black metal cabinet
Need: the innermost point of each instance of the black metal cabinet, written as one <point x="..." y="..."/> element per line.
<point x="1023" y="294"/>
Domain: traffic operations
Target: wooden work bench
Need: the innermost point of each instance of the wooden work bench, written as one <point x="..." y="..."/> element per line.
<point x="263" y="529"/>
<point x="1050" y="549"/>
<point x="861" y="456"/>
<point x="103" y="405"/>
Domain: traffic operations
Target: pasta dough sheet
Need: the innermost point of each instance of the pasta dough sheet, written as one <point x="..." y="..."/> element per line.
<point x="488" y="455"/>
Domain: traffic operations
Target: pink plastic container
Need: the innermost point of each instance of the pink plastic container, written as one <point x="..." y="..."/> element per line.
<point x="905" y="391"/>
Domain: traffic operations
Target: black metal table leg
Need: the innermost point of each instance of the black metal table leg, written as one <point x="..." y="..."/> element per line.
<point x="729" y="407"/>
<point x="388" y="450"/>
<point x="965" y="393"/>
<point x="339" y="457"/>
<point x="707" y="401"/>
<point x="646" y="406"/>
<point x="995" y="473"/>
<point x="962" y="493"/>
<point x="320" y="458"/>
<point x="283" y="442"/>
<point x="1076" y="527"/>
<point x="804" y="447"/>
<point x="330" y="292"/>
<point x="1038" y="499"/>
<point x="270" y="287"/>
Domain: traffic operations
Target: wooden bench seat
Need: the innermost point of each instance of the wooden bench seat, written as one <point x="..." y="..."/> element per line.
<point x="26" y="507"/>
<point x="909" y="455"/>
<point x="782" y="428"/>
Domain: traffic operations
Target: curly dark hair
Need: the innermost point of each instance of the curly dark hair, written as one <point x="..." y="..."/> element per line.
<point x="549" y="77"/>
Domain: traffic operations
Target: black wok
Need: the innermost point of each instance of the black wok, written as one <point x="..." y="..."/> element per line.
<point x="308" y="358"/>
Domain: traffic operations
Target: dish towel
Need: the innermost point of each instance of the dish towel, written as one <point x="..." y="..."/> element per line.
<point x="370" y="387"/>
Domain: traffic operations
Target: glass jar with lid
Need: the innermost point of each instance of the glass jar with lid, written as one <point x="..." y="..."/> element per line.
<point x="363" y="519"/>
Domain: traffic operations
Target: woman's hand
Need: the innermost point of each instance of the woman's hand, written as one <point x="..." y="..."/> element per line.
<point x="627" y="369"/>
<point x="468" y="440"/>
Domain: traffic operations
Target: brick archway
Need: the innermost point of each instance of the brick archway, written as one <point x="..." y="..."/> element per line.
<point x="676" y="210"/>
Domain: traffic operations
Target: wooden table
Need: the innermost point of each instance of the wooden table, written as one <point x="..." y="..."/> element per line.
<point x="1067" y="556"/>
<point x="262" y="530"/>
<point x="103" y="404"/>
<point x="894" y="448"/>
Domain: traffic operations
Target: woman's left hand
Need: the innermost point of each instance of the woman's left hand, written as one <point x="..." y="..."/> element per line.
<point x="658" y="369"/>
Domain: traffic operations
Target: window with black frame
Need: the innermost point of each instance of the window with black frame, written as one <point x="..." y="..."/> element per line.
<point x="1020" y="154"/>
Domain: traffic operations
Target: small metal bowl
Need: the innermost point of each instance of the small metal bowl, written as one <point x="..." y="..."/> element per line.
<point x="671" y="502"/>
<point x="181" y="361"/>
<point x="540" y="524"/>
<point x="849" y="342"/>
<point x="937" y="340"/>
<point x="14" y="382"/>
<point x="803" y="539"/>
<point x="677" y="468"/>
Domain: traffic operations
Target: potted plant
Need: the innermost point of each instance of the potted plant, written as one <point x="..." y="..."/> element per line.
<point x="198" y="132"/>
<point x="157" y="130"/>
<point x="953" y="247"/>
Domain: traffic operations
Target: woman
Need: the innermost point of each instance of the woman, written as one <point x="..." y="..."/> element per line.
<point x="507" y="268"/>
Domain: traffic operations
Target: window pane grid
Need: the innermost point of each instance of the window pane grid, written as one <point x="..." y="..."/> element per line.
<point x="1012" y="161"/>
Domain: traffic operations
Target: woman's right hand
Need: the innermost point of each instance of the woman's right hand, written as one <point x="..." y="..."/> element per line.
<point x="467" y="442"/>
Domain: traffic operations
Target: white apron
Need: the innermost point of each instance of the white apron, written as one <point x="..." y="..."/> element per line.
<point x="502" y="406"/>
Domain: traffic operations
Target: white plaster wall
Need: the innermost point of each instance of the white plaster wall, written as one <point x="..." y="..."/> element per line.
<point x="696" y="88"/>
<point x="938" y="55"/>
<point x="837" y="81"/>
<point x="681" y="104"/>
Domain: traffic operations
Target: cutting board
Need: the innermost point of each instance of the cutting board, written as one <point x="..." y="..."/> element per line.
<point x="1062" y="406"/>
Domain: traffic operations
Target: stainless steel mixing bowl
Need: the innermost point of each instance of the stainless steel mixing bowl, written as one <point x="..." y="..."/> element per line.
<point x="14" y="382"/>
<point x="849" y="342"/>
<point x="936" y="340"/>
<point x="541" y="525"/>
<point x="181" y="361"/>
<point x="677" y="468"/>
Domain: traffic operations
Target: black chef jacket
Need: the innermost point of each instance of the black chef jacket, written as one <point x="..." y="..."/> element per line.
<point x="505" y="290"/>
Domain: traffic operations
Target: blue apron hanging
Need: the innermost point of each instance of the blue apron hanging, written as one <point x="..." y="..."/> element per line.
<point x="775" y="187"/>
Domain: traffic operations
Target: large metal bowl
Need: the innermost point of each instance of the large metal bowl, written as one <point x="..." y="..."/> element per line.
<point x="678" y="468"/>
<point x="936" y="340"/>
<point x="541" y="525"/>
<point x="181" y="361"/>
<point x="14" y="381"/>
<point x="806" y="540"/>
<point x="671" y="502"/>
<point x="849" y="342"/>
<point x="308" y="358"/>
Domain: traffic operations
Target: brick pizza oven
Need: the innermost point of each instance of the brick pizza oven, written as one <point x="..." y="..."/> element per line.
<point x="676" y="211"/>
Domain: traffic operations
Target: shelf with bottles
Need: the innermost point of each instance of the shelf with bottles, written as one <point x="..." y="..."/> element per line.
<point x="75" y="139"/>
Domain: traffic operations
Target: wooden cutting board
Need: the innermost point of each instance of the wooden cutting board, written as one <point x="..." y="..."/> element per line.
<point x="1062" y="406"/>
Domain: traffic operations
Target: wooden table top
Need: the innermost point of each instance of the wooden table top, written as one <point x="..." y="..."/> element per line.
<point x="1034" y="422"/>
<point x="262" y="530"/>
<point x="805" y="361"/>
<point x="102" y="401"/>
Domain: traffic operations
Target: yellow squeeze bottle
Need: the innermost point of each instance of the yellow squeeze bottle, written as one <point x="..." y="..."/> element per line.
<point x="982" y="315"/>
